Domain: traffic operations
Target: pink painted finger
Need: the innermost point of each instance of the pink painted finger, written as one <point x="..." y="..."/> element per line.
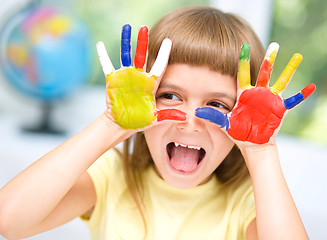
<point x="105" y="62"/>
<point x="142" y="47"/>
<point x="170" y="114"/>
<point x="162" y="59"/>
<point x="267" y="65"/>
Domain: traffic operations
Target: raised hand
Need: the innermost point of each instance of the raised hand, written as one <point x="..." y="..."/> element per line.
<point x="259" y="110"/>
<point x="131" y="90"/>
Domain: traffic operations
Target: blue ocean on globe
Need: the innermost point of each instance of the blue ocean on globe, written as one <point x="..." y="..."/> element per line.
<point x="45" y="52"/>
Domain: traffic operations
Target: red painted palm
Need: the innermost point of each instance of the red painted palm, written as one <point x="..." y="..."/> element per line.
<point x="259" y="110"/>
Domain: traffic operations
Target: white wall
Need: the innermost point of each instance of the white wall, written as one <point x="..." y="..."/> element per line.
<point x="257" y="13"/>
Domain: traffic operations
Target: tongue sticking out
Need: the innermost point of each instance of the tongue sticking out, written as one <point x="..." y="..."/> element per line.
<point x="184" y="159"/>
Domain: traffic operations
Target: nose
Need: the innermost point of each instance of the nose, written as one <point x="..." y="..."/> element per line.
<point x="192" y="124"/>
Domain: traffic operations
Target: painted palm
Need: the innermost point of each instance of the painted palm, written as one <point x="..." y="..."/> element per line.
<point x="131" y="90"/>
<point x="259" y="110"/>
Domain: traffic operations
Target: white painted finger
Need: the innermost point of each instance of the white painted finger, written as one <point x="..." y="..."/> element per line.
<point x="272" y="51"/>
<point x="162" y="58"/>
<point x="106" y="64"/>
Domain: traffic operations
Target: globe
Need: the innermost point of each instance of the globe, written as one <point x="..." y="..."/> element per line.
<point x="45" y="52"/>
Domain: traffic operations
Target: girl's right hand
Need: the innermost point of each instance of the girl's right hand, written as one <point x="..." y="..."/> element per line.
<point x="131" y="90"/>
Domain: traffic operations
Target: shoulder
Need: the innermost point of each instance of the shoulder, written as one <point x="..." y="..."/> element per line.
<point x="242" y="194"/>
<point x="243" y="207"/>
<point x="108" y="179"/>
<point x="110" y="161"/>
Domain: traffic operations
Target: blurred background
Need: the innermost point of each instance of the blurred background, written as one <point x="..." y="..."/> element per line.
<point x="52" y="85"/>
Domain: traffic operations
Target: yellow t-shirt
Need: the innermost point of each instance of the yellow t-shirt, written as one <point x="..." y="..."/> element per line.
<point x="208" y="211"/>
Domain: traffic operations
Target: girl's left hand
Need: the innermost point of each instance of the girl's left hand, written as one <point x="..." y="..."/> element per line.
<point x="260" y="110"/>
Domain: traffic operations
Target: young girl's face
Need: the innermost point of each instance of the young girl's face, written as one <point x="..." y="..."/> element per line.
<point x="186" y="153"/>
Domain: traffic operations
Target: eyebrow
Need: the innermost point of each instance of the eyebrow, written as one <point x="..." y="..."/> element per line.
<point x="213" y="94"/>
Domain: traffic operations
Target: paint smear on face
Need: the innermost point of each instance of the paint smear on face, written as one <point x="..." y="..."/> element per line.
<point x="170" y="114"/>
<point x="254" y="121"/>
<point x="131" y="98"/>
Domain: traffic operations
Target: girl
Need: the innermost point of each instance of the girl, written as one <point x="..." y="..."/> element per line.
<point x="209" y="171"/>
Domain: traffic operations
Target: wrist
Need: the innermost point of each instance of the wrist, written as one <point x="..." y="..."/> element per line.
<point x="112" y="133"/>
<point x="257" y="156"/>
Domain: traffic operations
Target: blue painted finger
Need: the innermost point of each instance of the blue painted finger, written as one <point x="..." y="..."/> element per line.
<point x="213" y="116"/>
<point x="291" y="102"/>
<point x="125" y="50"/>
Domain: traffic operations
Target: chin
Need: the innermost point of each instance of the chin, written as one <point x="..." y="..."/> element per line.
<point x="182" y="181"/>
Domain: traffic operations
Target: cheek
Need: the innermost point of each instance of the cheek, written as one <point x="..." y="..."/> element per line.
<point x="220" y="138"/>
<point x="154" y="138"/>
<point x="150" y="137"/>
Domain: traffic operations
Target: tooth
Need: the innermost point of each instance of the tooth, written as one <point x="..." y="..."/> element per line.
<point x="182" y="145"/>
<point x="194" y="147"/>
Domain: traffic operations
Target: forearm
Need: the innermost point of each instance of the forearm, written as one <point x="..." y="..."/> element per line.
<point x="33" y="194"/>
<point x="277" y="215"/>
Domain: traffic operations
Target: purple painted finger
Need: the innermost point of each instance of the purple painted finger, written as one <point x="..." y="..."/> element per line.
<point x="213" y="116"/>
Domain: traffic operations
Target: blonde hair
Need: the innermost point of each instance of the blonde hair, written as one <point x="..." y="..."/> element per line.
<point x="201" y="36"/>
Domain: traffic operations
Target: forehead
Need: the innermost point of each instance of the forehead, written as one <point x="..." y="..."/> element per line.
<point x="197" y="79"/>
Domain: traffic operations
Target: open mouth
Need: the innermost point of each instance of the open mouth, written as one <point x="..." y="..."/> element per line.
<point x="185" y="158"/>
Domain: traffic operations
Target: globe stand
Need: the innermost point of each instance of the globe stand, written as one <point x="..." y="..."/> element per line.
<point x="45" y="127"/>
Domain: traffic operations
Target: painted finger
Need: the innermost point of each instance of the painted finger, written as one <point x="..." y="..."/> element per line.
<point x="267" y="65"/>
<point x="287" y="74"/>
<point x="125" y="50"/>
<point x="105" y="62"/>
<point x="142" y="47"/>
<point x="170" y="114"/>
<point x="244" y="76"/>
<point x="213" y="116"/>
<point x="291" y="102"/>
<point x="162" y="58"/>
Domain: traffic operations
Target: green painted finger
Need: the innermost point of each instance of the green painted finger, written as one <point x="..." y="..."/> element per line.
<point x="244" y="76"/>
